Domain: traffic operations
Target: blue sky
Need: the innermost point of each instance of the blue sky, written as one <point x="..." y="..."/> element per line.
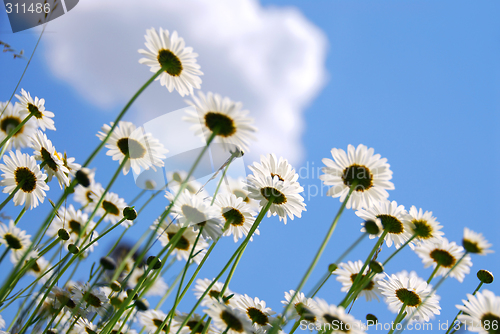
<point x="418" y="81"/>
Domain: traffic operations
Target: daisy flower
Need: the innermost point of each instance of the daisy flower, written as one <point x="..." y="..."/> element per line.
<point x="424" y="225"/>
<point x="239" y="188"/>
<point x="229" y="320"/>
<point x="112" y="205"/>
<point x="71" y="165"/>
<point x="21" y="169"/>
<point x="64" y="297"/>
<point x="9" y="120"/>
<point x="212" y="113"/>
<point x="359" y="165"/>
<point x="213" y="296"/>
<point x="284" y="192"/>
<point x="192" y="210"/>
<point x="175" y="179"/>
<point x="334" y="319"/>
<point x="83" y="325"/>
<point x="347" y="273"/>
<point x="413" y="292"/>
<point x="475" y="243"/>
<point x="37" y="108"/>
<point x="303" y="308"/>
<point x="73" y="221"/>
<point x="195" y="321"/>
<point x="446" y="254"/>
<point x="2" y="323"/>
<point x="236" y="214"/>
<point x="183" y="247"/>
<point x="168" y="52"/>
<point x="85" y="195"/>
<point x="15" y="239"/>
<point x="45" y="152"/>
<point x="152" y="320"/>
<point x="255" y="310"/>
<point x="481" y="312"/>
<point x="394" y="218"/>
<point x="143" y="150"/>
<point x="38" y="268"/>
<point x="157" y="288"/>
<point x="95" y="300"/>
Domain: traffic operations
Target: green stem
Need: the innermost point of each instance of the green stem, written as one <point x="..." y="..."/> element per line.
<point x="255" y="225"/>
<point x="220" y="182"/>
<point x="19" y="185"/>
<point x="399" y="317"/>
<point x="350" y="294"/>
<point x="433" y="273"/>
<point x="399" y="249"/>
<point x="340" y="258"/>
<point x="321" y="249"/>
<point x="16" y="130"/>
<point x="460" y="312"/>
<point x="120" y="116"/>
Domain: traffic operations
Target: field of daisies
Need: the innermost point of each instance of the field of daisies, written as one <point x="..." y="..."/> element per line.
<point x="125" y="290"/>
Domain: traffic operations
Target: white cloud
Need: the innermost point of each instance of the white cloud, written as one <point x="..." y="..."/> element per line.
<point x="272" y="59"/>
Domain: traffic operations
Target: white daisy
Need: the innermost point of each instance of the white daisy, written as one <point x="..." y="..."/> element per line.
<point x="2" y="323"/>
<point x="65" y="297"/>
<point x="152" y="320"/>
<point x="370" y="172"/>
<point x="191" y="209"/>
<point x="182" y="249"/>
<point x="263" y="186"/>
<point x="143" y="150"/>
<point x="213" y="295"/>
<point x="82" y="326"/>
<point x="394" y="218"/>
<point x="94" y="300"/>
<point x="22" y="169"/>
<point x="424" y="225"/>
<point x="112" y="205"/>
<point x="37" y="108"/>
<point x="38" y="268"/>
<point x="9" y="120"/>
<point x="271" y="166"/>
<point x="236" y="214"/>
<point x="303" y="308"/>
<point x="228" y="319"/>
<point x="121" y="328"/>
<point x="84" y="195"/>
<point x="175" y="179"/>
<point x="157" y="288"/>
<point x="194" y="322"/>
<point x="212" y="113"/>
<point x="45" y="152"/>
<point x="446" y="254"/>
<point x="347" y="273"/>
<point x="413" y="292"/>
<point x="15" y="239"/>
<point x="475" y="243"/>
<point x="178" y="61"/>
<point x="71" y="165"/>
<point x="73" y="221"/>
<point x="481" y="312"/>
<point x="256" y="311"/>
<point x="238" y="187"/>
<point x="334" y="319"/>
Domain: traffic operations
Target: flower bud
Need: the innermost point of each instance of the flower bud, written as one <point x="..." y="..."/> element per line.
<point x="73" y="249"/>
<point x="129" y="291"/>
<point x="485" y="276"/>
<point x="332" y="267"/>
<point x="157" y="264"/>
<point x="108" y="263"/>
<point x="82" y="178"/>
<point x="129" y="213"/>
<point x="372" y="227"/>
<point x="376" y="266"/>
<point x="63" y="234"/>
<point x="115" y="286"/>
<point x="371" y="318"/>
<point x="141" y="304"/>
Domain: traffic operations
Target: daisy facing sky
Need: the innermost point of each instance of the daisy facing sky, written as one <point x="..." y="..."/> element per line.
<point x="37" y="107"/>
<point x="21" y="169"/>
<point x="9" y="120"/>
<point x="481" y="312"/>
<point x="168" y="51"/>
<point x="359" y="165"/>
<point x="212" y="113"/>
<point x="143" y="150"/>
